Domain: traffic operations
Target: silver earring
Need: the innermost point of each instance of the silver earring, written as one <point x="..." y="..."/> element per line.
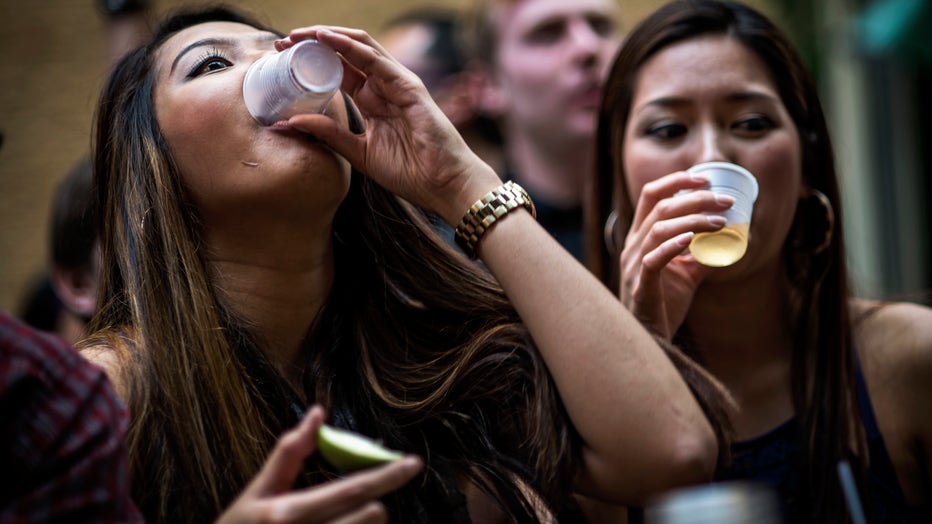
<point x="608" y="232"/>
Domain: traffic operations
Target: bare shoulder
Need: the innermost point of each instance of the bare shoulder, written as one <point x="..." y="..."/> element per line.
<point x="109" y="352"/>
<point x="899" y="332"/>
<point x="894" y="344"/>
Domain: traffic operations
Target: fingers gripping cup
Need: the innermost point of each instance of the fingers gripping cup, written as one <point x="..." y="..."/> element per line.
<point x="727" y="245"/>
<point x="300" y="79"/>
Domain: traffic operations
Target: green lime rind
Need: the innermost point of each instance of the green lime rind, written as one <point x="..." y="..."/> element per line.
<point x="348" y="451"/>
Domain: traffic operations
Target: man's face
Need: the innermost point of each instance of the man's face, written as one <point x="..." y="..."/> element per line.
<point x="551" y="60"/>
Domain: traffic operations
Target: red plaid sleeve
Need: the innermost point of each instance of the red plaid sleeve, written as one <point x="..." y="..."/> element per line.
<point x="61" y="447"/>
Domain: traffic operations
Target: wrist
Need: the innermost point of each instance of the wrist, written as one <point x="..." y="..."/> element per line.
<point x="458" y="197"/>
<point x="486" y="212"/>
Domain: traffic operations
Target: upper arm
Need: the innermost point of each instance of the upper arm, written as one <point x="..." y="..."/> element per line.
<point x="910" y="328"/>
<point x="895" y="347"/>
<point x="916" y="370"/>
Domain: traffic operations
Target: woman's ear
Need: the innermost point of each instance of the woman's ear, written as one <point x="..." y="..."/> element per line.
<point x="76" y="288"/>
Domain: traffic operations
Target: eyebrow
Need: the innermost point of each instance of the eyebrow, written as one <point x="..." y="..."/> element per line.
<point x="744" y="96"/>
<point x="216" y="42"/>
<point x="200" y="43"/>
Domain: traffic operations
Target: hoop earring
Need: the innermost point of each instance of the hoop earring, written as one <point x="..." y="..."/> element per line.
<point x="829" y="219"/>
<point x="608" y="232"/>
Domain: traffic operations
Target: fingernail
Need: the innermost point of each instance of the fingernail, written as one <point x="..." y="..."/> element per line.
<point x="698" y="178"/>
<point x="684" y="239"/>
<point x="411" y="462"/>
<point x="724" y="200"/>
<point x="716" y="220"/>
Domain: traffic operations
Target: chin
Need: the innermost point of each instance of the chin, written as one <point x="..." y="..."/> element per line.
<point x="583" y="125"/>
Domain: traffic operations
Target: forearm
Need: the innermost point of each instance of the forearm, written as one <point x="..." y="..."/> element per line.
<point x="642" y="428"/>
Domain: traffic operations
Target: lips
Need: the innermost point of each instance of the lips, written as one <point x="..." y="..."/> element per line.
<point x="588" y="97"/>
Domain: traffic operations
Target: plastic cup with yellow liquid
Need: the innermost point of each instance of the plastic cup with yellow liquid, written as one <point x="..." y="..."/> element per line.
<point x="727" y="245"/>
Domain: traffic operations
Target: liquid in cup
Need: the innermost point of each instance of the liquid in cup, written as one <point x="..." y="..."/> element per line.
<point x="300" y="79"/>
<point x="727" y="245"/>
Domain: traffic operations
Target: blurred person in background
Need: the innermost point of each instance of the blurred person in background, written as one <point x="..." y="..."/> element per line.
<point x="75" y="254"/>
<point x="127" y="23"/>
<point x="541" y="64"/>
<point x="425" y="40"/>
<point x="819" y="376"/>
<point x="63" y="298"/>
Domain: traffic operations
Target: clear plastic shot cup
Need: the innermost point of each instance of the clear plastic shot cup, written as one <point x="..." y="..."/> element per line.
<point x="300" y="79"/>
<point x="727" y="245"/>
<point x="735" y="502"/>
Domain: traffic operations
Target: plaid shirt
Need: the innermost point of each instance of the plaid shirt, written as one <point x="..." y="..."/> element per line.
<point x="62" y="456"/>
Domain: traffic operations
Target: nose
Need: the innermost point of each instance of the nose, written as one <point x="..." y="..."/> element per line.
<point x="584" y="41"/>
<point x="713" y="145"/>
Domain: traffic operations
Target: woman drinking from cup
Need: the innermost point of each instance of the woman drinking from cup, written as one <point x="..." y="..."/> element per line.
<point x="820" y="377"/>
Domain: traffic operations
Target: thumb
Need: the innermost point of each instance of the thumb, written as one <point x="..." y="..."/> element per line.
<point x="287" y="458"/>
<point x="334" y="134"/>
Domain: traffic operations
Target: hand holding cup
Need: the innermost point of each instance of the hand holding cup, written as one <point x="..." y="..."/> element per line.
<point x="727" y="245"/>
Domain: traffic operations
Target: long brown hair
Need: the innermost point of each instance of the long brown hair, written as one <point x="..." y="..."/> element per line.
<point x="823" y="363"/>
<point x="416" y="345"/>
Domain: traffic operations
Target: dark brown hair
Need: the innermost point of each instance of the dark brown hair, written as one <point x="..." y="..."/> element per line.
<point x="823" y="359"/>
<point x="416" y="345"/>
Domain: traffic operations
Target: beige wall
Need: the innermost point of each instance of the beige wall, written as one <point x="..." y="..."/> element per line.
<point x="52" y="62"/>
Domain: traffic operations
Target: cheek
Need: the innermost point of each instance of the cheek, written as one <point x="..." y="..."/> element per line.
<point x="188" y="130"/>
<point x="534" y="70"/>
<point x="778" y="170"/>
<point x="643" y="164"/>
<point x="192" y="136"/>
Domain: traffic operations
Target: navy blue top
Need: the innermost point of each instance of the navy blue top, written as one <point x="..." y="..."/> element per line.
<point x="563" y="224"/>
<point x="773" y="458"/>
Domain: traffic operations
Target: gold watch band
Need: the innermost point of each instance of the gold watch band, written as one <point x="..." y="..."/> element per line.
<point x="487" y="211"/>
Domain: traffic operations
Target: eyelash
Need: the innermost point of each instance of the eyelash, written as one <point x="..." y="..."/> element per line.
<point x="547" y="33"/>
<point x="208" y="56"/>
<point x="764" y="122"/>
<point x="551" y="32"/>
<point x="665" y="130"/>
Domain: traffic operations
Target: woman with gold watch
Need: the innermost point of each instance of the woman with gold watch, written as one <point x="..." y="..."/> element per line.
<point x="252" y="271"/>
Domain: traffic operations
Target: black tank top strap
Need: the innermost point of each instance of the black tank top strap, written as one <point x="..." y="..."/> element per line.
<point x="865" y="408"/>
<point x="885" y="498"/>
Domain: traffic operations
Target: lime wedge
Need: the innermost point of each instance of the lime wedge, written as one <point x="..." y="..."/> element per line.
<point x="348" y="451"/>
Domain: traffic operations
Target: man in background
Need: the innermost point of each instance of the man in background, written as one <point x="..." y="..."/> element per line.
<point x="541" y="65"/>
